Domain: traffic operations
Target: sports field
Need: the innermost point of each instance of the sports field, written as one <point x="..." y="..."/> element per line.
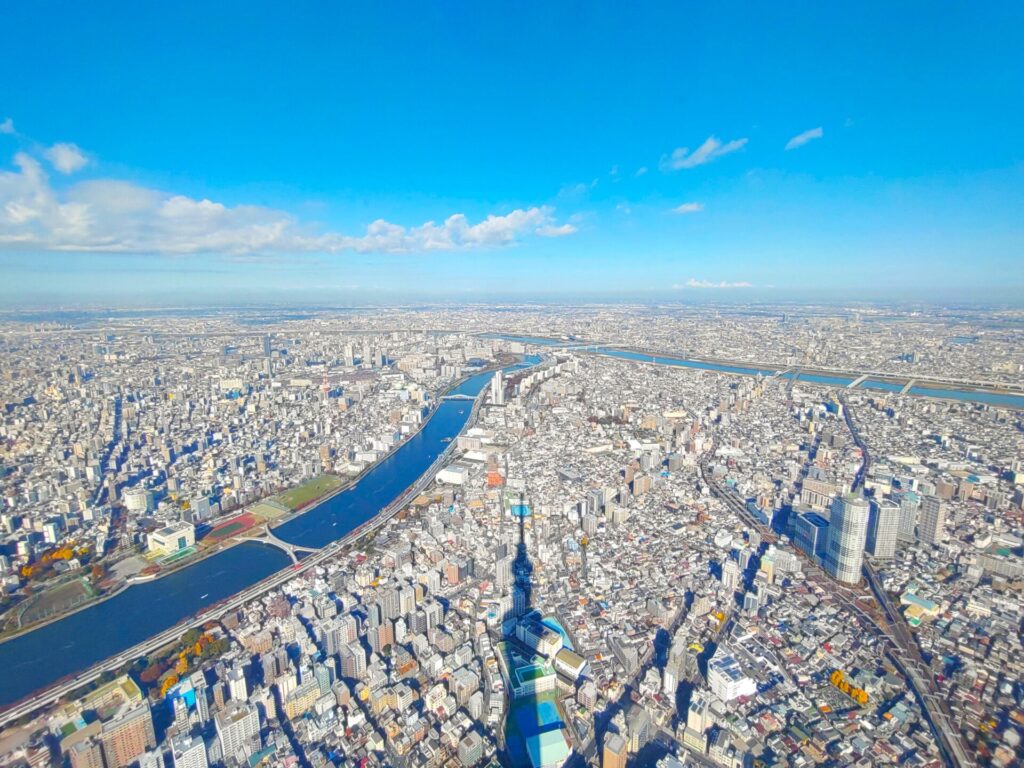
<point x="231" y="528"/>
<point x="301" y="495"/>
<point x="56" y="600"/>
<point x="532" y="672"/>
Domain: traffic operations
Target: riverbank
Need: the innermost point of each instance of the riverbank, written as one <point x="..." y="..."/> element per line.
<point x="999" y="393"/>
<point x="29" y="660"/>
<point x="206" y="552"/>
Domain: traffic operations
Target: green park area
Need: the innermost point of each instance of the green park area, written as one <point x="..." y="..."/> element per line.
<point x="303" y="494"/>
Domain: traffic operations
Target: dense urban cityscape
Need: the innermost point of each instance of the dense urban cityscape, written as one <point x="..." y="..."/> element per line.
<point x="511" y="385"/>
<point x="596" y="549"/>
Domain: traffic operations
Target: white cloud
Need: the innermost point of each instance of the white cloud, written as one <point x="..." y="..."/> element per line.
<point x="552" y="230"/>
<point x="641" y="170"/>
<point x="66" y="158"/>
<point x="802" y="138"/>
<point x="116" y="216"/>
<point x="695" y="283"/>
<point x="710" y="150"/>
<point x="689" y="208"/>
<point x="7" y="126"/>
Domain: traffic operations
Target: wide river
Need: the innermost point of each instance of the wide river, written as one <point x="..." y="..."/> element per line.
<point x="43" y="656"/>
<point x="969" y="395"/>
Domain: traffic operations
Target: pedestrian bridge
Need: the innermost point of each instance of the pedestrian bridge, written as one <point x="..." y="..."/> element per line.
<point x="292" y="550"/>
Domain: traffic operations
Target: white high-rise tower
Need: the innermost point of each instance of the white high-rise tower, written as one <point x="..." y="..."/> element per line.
<point x="498" y="388"/>
<point x="847" y="535"/>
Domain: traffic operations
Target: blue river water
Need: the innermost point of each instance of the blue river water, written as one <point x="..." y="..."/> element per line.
<point x="67" y="646"/>
<point x="967" y="395"/>
<point x="45" y="655"/>
<point x="387" y="480"/>
<point x="990" y="398"/>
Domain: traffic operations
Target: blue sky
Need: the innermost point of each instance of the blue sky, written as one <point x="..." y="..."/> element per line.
<point x="225" y="152"/>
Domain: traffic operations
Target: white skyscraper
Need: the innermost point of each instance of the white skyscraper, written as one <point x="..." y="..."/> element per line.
<point x="847" y="535"/>
<point x="931" y="526"/>
<point x="883" y="526"/>
<point x="498" y="388"/>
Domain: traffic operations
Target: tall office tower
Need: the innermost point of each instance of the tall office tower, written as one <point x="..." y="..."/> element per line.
<point x="498" y="388"/>
<point x="267" y="349"/>
<point x="614" y="755"/>
<point x="349" y="355"/>
<point x="127" y="737"/>
<point x="932" y="526"/>
<point x="730" y="575"/>
<point x="237" y="685"/>
<point x="883" y="526"/>
<point x="812" y="535"/>
<point x="909" y="503"/>
<point x="189" y="752"/>
<point x="238" y="728"/>
<point x="847" y="534"/>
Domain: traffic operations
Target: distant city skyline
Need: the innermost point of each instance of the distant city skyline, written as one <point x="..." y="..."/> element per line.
<point x="686" y="154"/>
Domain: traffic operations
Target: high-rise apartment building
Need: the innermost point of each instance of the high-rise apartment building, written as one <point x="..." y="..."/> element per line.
<point x="730" y="575"/>
<point x="189" y="752"/>
<point x="238" y="728"/>
<point x="883" y="527"/>
<point x="86" y="754"/>
<point x="931" y="527"/>
<point x="127" y="736"/>
<point x="909" y="503"/>
<point x="614" y="754"/>
<point x="847" y="535"/>
<point x="498" y="388"/>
